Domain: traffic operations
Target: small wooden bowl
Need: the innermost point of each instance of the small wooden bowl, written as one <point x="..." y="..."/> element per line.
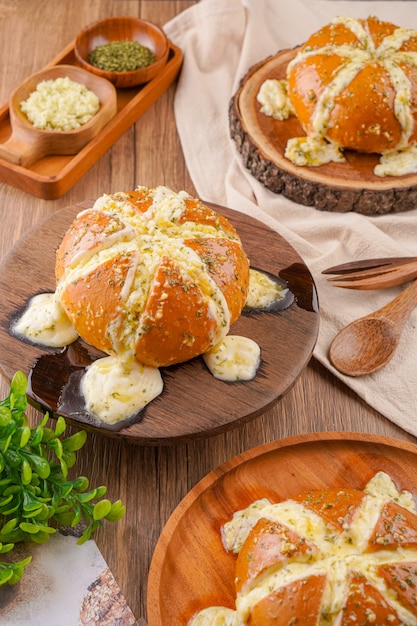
<point x="27" y="144"/>
<point x="122" y="29"/>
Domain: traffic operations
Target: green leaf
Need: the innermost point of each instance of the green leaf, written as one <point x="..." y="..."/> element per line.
<point x="32" y="529"/>
<point x="87" y="496"/>
<point x="33" y="513"/>
<point x="80" y="484"/>
<point x="64" y="490"/>
<point x="43" y="536"/>
<point x="39" y="514"/>
<point x="5" y="575"/>
<point x="5" y="416"/>
<point x="65" y="519"/>
<point x="12" y="458"/>
<point x="9" y="526"/>
<point x="76" y="441"/>
<point x="117" y="511"/>
<point x="101" y="509"/>
<point x="26" y="472"/>
<point x="100" y="491"/>
<point x="56" y="446"/>
<point x="48" y="435"/>
<point x="40" y="465"/>
<point x="86" y="534"/>
<point x="19" y="384"/>
<point x="64" y="467"/>
<point x="25" y="433"/>
<point x="5" y="501"/>
<point x="69" y="458"/>
<point x="5" y="442"/>
<point x="77" y="515"/>
<point x="11" y="509"/>
<point x="17" y="569"/>
<point x="60" y="426"/>
<point x="37" y="434"/>
<point x="11" y="489"/>
<point x="34" y="489"/>
<point x="6" y="547"/>
<point x="30" y="501"/>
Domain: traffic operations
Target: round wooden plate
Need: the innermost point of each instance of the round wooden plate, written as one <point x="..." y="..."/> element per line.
<point x="190" y="568"/>
<point x="193" y="402"/>
<point x="341" y="187"/>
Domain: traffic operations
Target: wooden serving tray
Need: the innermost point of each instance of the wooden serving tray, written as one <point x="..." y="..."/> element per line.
<point x="52" y="176"/>
<point x="339" y="187"/>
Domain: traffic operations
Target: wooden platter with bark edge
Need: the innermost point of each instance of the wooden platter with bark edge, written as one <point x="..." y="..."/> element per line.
<point x="191" y="570"/>
<point x="341" y="187"/>
<point x="193" y="403"/>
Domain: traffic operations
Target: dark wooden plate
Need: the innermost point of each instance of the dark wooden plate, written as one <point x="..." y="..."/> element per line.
<point x="191" y="570"/>
<point x="340" y="187"/>
<point x="193" y="402"/>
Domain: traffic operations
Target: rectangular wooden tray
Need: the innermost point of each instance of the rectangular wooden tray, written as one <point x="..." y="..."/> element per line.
<point x="51" y="177"/>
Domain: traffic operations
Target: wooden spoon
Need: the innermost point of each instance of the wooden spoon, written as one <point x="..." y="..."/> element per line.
<point x="367" y="344"/>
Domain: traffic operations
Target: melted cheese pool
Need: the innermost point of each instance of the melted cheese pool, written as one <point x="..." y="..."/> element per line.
<point x="45" y="322"/>
<point x="115" y="389"/>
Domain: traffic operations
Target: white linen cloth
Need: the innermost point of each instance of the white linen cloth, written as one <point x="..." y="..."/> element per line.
<point x="221" y="40"/>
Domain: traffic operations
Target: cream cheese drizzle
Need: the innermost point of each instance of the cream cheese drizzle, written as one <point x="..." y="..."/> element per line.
<point x="263" y="291"/>
<point x="126" y="234"/>
<point x="398" y="163"/>
<point x="274" y="100"/>
<point x="313" y="151"/>
<point x="402" y="102"/>
<point x="215" y="616"/>
<point x="234" y="358"/>
<point x="115" y="388"/>
<point x="44" y="322"/>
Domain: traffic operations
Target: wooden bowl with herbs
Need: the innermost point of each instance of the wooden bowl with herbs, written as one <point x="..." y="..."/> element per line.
<point x="128" y="51"/>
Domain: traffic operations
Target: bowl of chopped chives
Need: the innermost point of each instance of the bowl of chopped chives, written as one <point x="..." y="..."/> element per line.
<point x="127" y="51"/>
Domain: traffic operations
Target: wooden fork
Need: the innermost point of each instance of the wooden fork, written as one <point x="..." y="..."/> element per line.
<point x="373" y="273"/>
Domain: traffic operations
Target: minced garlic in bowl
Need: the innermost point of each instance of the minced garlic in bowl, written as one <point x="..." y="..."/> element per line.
<point x="60" y="104"/>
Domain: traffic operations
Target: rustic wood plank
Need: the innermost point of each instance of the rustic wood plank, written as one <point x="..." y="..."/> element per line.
<point x="151" y="480"/>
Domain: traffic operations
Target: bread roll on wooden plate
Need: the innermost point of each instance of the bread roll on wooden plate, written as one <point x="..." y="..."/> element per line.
<point x="333" y="123"/>
<point x="340" y="557"/>
<point x="152" y="273"/>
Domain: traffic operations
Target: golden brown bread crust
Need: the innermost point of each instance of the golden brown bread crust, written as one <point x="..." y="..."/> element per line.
<point x="268" y="543"/>
<point x="174" y="321"/>
<point x="300" y="600"/>
<point x="363" y="113"/>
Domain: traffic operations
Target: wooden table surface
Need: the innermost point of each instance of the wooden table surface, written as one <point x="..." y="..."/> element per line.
<point x="150" y="480"/>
